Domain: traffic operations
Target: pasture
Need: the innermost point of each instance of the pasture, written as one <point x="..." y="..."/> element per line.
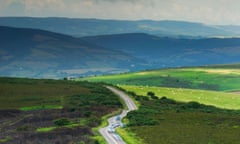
<point x="217" y="99"/>
<point x="207" y="78"/>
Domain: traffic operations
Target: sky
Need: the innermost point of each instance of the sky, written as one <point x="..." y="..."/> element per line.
<point x="217" y="12"/>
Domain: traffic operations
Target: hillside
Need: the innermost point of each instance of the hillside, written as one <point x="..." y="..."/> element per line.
<point x="38" y="53"/>
<point x="218" y="78"/>
<point x="184" y="100"/>
<point x="161" y="52"/>
<point x="166" y="121"/>
<point x="52" y="111"/>
<point x="91" y="27"/>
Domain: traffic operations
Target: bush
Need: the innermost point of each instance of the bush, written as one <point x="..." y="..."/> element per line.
<point x="154" y="97"/>
<point x="87" y="113"/>
<point x="191" y="105"/>
<point x="150" y="94"/>
<point x="62" y="122"/>
<point x="165" y="100"/>
<point x="93" y="121"/>
<point x="132" y="93"/>
<point x="96" y="142"/>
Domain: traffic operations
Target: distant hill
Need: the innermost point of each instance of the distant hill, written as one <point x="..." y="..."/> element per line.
<point x="38" y="53"/>
<point x="173" y="52"/>
<point x="91" y="27"/>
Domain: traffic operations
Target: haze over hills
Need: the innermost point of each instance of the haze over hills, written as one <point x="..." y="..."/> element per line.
<point x="177" y="60"/>
<point x="173" y="52"/>
<point x="31" y="50"/>
<point x="90" y="27"/>
<point x="43" y="54"/>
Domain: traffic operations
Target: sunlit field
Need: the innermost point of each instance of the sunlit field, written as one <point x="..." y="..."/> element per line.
<point x="217" y="79"/>
<point x="218" y="99"/>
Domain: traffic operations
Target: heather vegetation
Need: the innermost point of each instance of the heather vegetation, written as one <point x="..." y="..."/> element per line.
<point x="52" y="111"/>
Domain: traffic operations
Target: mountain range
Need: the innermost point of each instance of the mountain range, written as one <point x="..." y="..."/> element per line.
<point x="43" y="54"/>
<point x="62" y="47"/>
<point x="92" y="27"/>
<point x="161" y="52"/>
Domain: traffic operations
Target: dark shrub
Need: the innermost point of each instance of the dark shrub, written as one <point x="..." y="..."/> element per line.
<point x="87" y="113"/>
<point x="193" y="105"/>
<point x="62" y="122"/>
<point x="165" y="100"/>
<point x="150" y="94"/>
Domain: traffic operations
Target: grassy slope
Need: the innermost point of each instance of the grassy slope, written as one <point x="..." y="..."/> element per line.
<point x="210" y="78"/>
<point x="183" y="123"/>
<point x="218" y="99"/>
<point x="209" y="125"/>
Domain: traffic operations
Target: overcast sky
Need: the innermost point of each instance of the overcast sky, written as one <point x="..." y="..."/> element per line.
<point x="205" y="11"/>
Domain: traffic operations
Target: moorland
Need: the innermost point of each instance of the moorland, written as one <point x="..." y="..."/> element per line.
<point x="44" y="111"/>
<point x="181" y="105"/>
<point x="158" y="63"/>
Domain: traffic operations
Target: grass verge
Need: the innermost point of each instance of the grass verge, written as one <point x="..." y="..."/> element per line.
<point x="128" y="136"/>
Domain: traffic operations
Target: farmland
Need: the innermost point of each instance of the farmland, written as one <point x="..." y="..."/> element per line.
<point x="218" y="99"/>
<point x="52" y="111"/>
<point x="218" y="78"/>
<point x="177" y="115"/>
<point x="165" y="121"/>
<point x="182" y="105"/>
<point x="174" y="122"/>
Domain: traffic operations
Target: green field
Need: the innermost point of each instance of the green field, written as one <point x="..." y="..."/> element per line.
<point x="51" y="111"/>
<point x="225" y="78"/>
<point x="218" y="99"/>
<point x="197" y="105"/>
<point x="165" y="121"/>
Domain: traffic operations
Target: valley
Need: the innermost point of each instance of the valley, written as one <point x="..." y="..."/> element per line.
<point x="35" y="53"/>
<point x="181" y="105"/>
<point x="29" y="47"/>
<point x="79" y="27"/>
<point x="107" y="81"/>
<point x="168" y="52"/>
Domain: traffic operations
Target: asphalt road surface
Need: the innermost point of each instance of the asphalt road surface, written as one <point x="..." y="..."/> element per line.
<point x="108" y="132"/>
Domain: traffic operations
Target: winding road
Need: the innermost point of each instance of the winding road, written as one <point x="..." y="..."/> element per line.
<point x="108" y="132"/>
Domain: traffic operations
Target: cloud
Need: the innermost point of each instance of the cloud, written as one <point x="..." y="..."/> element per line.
<point x="207" y="11"/>
<point x="4" y="3"/>
<point x="12" y="7"/>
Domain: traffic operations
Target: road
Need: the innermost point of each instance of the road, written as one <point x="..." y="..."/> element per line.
<point x="108" y="132"/>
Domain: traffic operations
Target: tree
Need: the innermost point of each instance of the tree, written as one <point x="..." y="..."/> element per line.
<point x="150" y="93"/>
